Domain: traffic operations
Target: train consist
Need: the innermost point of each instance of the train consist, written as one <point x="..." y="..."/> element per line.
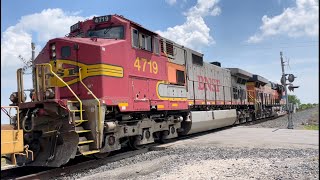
<point x="112" y="83"/>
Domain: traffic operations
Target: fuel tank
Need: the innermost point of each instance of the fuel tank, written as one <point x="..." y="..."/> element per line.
<point x="208" y="120"/>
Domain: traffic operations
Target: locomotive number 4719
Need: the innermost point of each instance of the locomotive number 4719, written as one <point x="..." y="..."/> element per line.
<point x="141" y="66"/>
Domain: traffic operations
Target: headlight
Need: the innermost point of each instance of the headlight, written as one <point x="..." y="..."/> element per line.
<point x="53" y="47"/>
<point x="14" y="97"/>
<point x="54" y="54"/>
<point x="49" y="94"/>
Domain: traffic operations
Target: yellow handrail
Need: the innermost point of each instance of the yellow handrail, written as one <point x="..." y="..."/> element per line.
<point x="251" y="97"/>
<point x="74" y="94"/>
<point x="95" y="97"/>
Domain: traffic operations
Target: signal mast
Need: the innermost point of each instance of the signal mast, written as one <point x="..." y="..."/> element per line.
<point x="291" y="87"/>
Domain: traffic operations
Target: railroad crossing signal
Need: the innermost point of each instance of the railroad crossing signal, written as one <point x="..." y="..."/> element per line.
<point x="292" y="87"/>
<point x="283" y="80"/>
<point x="291" y="78"/>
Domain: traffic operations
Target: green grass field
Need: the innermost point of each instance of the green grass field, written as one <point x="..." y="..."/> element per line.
<point x="311" y="127"/>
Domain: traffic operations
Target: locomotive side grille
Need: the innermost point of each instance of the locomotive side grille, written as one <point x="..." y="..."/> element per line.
<point x="169" y="48"/>
<point x="161" y="45"/>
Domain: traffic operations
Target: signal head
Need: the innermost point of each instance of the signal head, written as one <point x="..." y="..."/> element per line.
<point x="291" y="78"/>
<point x="291" y="87"/>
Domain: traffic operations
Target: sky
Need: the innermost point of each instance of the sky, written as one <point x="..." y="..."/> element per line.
<point x="247" y="34"/>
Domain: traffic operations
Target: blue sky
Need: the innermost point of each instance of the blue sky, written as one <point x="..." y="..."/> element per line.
<point x="248" y="34"/>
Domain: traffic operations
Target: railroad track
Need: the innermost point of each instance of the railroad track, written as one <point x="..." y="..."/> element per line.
<point x="260" y="120"/>
<point x="83" y="163"/>
<point x="47" y="173"/>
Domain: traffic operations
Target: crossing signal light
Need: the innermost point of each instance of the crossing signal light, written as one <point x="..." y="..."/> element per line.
<point x="291" y="87"/>
<point x="291" y="78"/>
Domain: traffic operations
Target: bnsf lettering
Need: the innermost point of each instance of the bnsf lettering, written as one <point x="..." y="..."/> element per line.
<point x="208" y="83"/>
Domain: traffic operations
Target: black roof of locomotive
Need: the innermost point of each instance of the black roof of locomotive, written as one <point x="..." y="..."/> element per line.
<point x="260" y="79"/>
<point x="240" y="73"/>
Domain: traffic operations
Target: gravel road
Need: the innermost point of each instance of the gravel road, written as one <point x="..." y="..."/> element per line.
<point x="205" y="161"/>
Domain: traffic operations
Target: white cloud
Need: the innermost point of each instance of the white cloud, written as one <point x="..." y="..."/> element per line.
<point x="171" y="2"/>
<point x="204" y="8"/>
<point x="298" y="21"/>
<point x="16" y="40"/>
<point x="45" y="25"/>
<point x="194" y="32"/>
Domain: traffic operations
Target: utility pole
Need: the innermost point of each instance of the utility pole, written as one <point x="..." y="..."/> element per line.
<point x="291" y="78"/>
<point x="290" y="123"/>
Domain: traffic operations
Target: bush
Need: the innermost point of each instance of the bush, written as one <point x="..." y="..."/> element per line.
<point x="307" y="106"/>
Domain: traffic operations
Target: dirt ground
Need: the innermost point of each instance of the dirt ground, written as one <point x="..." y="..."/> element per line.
<point x="314" y="119"/>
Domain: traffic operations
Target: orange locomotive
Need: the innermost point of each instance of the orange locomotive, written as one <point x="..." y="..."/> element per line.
<point x="112" y="83"/>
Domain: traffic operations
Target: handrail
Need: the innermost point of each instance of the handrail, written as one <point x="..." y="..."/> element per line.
<point x="74" y="94"/>
<point x="250" y="96"/>
<point x="17" y="107"/>
<point x="95" y="97"/>
<point x="20" y="85"/>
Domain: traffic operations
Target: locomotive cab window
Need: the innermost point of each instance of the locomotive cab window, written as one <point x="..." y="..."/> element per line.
<point x="135" y="38"/>
<point x="116" y="32"/>
<point x="145" y="42"/>
<point x="142" y="41"/>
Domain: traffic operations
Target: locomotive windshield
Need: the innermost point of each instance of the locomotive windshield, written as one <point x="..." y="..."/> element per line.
<point x="107" y="33"/>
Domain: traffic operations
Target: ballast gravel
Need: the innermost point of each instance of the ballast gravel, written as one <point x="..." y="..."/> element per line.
<point x="204" y="161"/>
<point x="299" y="119"/>
<point x="192" y="162"/>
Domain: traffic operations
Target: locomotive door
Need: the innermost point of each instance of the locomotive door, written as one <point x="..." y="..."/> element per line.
<point x="140" y="94"/>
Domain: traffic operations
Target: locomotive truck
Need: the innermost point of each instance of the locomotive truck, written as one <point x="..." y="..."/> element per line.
<point x="112" y="83"/>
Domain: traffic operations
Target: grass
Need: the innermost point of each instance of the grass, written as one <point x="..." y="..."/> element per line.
<point x="313" y="121"/>
<point x="311" y="127"/>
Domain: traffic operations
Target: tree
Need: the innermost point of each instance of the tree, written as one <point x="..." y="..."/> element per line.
<point x="293" y="99"/>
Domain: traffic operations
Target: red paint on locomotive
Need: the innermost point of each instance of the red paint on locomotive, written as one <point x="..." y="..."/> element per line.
<point x="208" y="83"/>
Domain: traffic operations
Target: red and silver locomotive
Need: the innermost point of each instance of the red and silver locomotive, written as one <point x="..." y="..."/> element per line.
<point x="112" y="83"/>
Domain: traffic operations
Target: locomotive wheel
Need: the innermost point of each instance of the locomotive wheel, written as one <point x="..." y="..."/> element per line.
<point x="101" y="155"/>
<point x="185" y="126"/>
<point x="133" y="142"/>
<point x="163" y="135"/>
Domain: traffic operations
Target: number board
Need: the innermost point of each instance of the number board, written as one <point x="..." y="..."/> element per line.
<point x="75" y="27"/>
<point x="101" y="19"/>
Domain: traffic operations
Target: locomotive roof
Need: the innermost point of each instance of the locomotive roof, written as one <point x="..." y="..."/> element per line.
<point x="134" y="23"/>
<point x="240" y="72"/>
<point x="259" y="79"/>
